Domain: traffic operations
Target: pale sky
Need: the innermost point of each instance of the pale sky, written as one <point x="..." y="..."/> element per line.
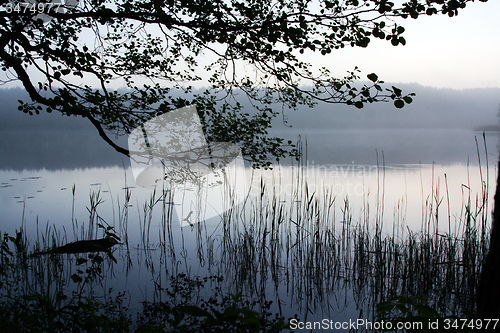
<point x="460" y="52"/>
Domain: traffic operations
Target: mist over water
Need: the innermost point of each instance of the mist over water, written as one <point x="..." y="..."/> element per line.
<point x="352" y="153"/>
<point x="437" y="127"/>
<point x="385" y="165"/>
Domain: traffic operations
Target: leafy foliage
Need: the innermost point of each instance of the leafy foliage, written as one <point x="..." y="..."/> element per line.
<point x="411" y="310"/>
<point x="68" y="59"/>
<point x="26" y="309"/>
<point x="29" y="310"/>
<point x="186" y="311"/>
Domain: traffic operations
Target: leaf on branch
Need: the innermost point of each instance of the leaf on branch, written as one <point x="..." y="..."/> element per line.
<point x="372" y="77"/>
<point x="399" y="103"/>
<point x="76" y="278"/>
<point x="359" y="105"/>
<point x="408" y="99"/>
<point x="397" y="91"/>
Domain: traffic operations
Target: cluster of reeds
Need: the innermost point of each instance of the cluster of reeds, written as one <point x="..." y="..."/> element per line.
<point x="320" y="256"/>
<point x="309" y="246"/>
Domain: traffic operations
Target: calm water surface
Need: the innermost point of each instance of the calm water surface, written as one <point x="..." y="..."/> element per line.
<point x="399" y="175"/>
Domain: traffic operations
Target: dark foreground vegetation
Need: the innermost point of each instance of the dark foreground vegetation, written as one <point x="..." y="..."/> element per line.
<point x="404" y="277"/>
<point x="59" y="306"/>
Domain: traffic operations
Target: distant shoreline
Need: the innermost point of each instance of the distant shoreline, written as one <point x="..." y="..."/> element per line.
<point x="488" y="128"/>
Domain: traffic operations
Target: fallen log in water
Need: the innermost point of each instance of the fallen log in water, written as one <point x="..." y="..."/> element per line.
<point x="82" y="246"/>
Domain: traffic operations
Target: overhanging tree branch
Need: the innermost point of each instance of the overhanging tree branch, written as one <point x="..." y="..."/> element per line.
<point x="161" y="41"/>
<point x="105" y="137"/>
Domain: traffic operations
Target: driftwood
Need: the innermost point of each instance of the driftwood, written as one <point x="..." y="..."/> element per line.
<point x="488" y="294"/>
<point x="82" y="246"/>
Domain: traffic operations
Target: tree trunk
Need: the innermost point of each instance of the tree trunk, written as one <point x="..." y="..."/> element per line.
<point x="488" y="294"/>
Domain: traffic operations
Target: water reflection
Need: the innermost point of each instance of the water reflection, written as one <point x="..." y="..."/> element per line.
<point x="171" y="149"/>
<point x="356" y="234"/>
<point x="315" y="252"/>
<point x="80" y="149"/>
<point x="325" y="239"/>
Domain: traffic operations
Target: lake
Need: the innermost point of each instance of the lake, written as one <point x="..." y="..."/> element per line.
<point x="387" y="181"/>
